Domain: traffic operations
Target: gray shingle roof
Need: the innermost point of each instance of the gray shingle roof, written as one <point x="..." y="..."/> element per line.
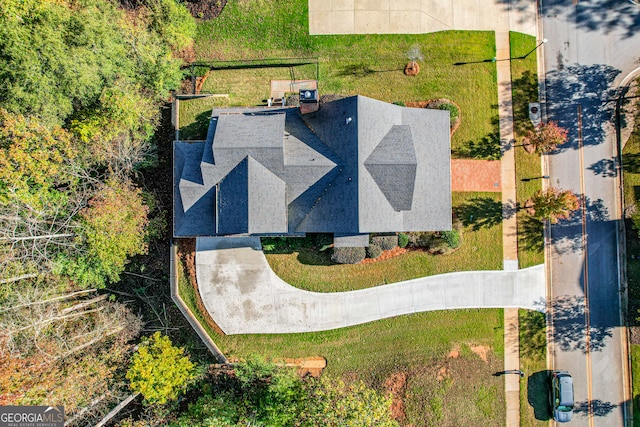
<point x="356" y="166"/>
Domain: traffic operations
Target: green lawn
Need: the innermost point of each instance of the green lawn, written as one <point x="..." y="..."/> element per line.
<point x="534" y="408"/>
<point x="631" y="177"/>
<point x="368" y="65"/>
<point x="443" y="388"/>
<point x="481" y="250"/>
<point x="635" y="369"/>
<point x="525" y="90"/>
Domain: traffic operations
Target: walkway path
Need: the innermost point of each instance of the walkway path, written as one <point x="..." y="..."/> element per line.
<point x="243" y="295"/>
<point x="509" y="221"/>
<point x="419" y="16"/>
<point x="476" y="175"/>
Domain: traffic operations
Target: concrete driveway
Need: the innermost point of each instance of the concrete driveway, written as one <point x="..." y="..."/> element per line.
<point x="244" y="296"/>
<point x="419" y="16"/>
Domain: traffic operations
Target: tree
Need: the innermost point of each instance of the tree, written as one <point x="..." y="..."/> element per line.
<point x="335" y="403"/>
<point x="260" y="393"/>
<point x="112" y="229"/>
<point x="545" y="137"/>
<point x="552" y="204"/>
<point x="159" y="371"/>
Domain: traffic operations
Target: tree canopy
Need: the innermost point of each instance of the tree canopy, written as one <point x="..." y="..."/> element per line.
<point x="159" y="370"/>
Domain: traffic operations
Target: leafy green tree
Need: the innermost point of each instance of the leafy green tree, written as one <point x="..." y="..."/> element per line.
<point x="34" y="160"/>
<point x="112" y="229"/>
<point x="553" y="204"/>
<point x="160" y="371"/>
<point x="173" y="22"/>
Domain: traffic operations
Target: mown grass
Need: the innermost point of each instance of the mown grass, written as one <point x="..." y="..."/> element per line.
<point x="534" y="408"/>
<point x="631" y="179"/>
<point x="524" y="81"/>
<point x="481" y="250"/>
<point x="418" y="345"/>
<point x="370" y="65"/>
<point x="635" y="386"/>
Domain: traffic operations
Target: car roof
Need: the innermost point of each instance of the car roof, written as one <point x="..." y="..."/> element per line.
<point x="566" y="390"/>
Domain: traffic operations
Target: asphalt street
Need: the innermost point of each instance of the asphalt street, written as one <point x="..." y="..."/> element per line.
<point x="592" y="46"/>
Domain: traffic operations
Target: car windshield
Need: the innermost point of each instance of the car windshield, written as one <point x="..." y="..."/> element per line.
<point x="565" y="408"/>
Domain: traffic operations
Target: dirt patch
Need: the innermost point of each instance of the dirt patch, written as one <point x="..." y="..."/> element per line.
<point x="454" y="353"/>
<point x="187" y="254"/>
<point x="205" y="9"/>
<point x="435" y="105"/>
<point x="308" y="366"/>
<point x="412" y="69"/>
<point x="386" y="255"/>
<point x="482" y="351"/>
<point x="396" y="385"/>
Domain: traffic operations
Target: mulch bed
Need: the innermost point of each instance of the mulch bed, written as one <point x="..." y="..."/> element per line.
<point x="435" y="104"/>
<point x="386" y="255"/>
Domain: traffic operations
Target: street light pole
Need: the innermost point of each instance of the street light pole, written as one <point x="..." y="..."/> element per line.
<point x="533" y="50"/>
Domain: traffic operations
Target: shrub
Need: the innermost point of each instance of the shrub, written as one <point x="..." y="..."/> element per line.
<point x="348" y="255"/>
<point x="403" y="240"/>
<point x="451" y="238"/>
<point x="452" y="109"/>
<point x="400" y="103"/>
<point x="420" y="239"/>
<point x="386" y="243"/>
<point x="373" y="251"/>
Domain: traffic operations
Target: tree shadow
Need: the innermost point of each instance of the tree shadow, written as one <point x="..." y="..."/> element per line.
<point x="488" y="148"/>
<point x="483" y="212"/>
<point x="631" y="162"/>
<point x="599" y="408"/>
<point x="569" y="330"/>
<point x="531" y="233"/>
<point x="538" y="395"/>
<point x="605" y="168"/>
<point x="362" y="69"/>
<point x="525" y="90"/>
<point x="587" y="87"/>
<point x="198" y="129"/>
<point x="533" y="334"/>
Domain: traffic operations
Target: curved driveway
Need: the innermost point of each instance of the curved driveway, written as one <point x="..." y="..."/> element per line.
<point x="244" y="296"/>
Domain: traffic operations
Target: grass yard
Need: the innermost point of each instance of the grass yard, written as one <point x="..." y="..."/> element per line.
<point x="525" y="90"/>
<point x="481" y="250"/>
<point x="368" y="65"/>
<point x="635" y="387"/>
<point x="631" y="179"/>
<point x="534" y="406"/>
<point x="448" y="384"/>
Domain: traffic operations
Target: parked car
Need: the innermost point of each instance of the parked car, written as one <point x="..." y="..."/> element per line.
<point x="561" y="396"/>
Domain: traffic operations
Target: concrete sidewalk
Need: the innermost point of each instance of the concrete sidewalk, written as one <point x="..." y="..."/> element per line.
<point x="244" y="296"/>
<point x="419" y="16"/>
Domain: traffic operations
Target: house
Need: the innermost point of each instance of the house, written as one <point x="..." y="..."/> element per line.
<point x="356" y="166"/>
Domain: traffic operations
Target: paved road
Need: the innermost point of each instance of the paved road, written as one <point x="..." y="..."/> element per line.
<point x="592" y="46"/>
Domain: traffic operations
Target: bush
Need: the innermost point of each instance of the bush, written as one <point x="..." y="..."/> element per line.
<point x="373" y="251"/>
<point x="386" y="243"/>
<point x="452" y="109"/>
<point x="348" y="255"/>
<point x="403" y="240"/>
<point x="400" y="103"/>
<point x="420" y="239"/>
<point x="451" y="238"/>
